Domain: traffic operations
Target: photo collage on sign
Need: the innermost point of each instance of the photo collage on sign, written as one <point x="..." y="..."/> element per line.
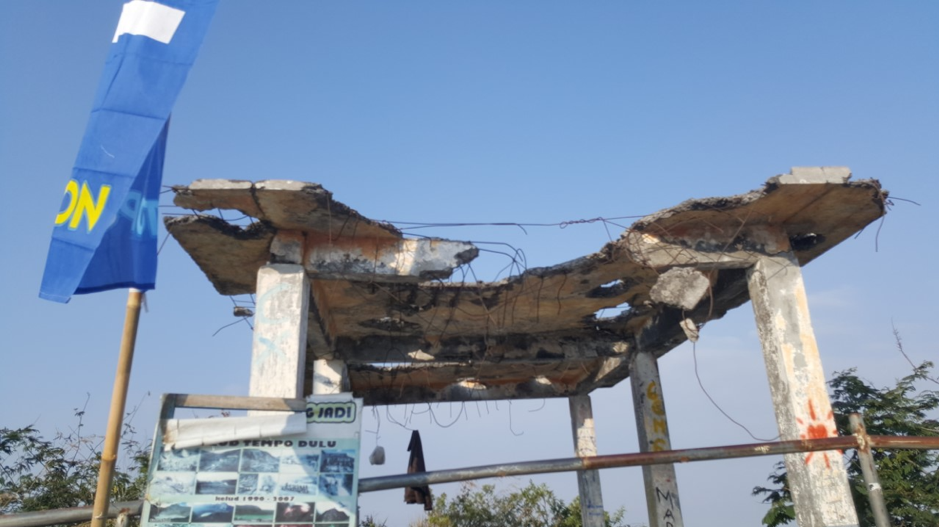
<point x="254" y="486"/>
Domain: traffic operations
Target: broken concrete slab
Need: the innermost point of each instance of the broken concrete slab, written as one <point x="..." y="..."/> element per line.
<point x="292" y="205"/>
<point x="230" y="255"/>
<point x="370" y="310"/>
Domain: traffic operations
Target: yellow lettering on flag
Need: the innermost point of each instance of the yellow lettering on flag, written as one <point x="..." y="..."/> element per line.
<point x="82" y="203"/>
<point x="72" y="190"/>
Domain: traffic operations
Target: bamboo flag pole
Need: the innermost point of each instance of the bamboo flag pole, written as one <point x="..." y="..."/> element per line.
<point x="112" y="438"/>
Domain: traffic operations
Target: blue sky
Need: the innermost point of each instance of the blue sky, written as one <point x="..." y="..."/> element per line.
<point x="480" y="112"/>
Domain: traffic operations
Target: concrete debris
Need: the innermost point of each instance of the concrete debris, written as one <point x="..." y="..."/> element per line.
<point x="690" y="329"/>
<point x="680" y="287"/>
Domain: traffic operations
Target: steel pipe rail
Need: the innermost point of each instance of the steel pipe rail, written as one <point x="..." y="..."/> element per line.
<point x="647" y="458"/>
<point x="72" y="515"/>
<point x="608" y="461"/>
<point x="78" y="514"/>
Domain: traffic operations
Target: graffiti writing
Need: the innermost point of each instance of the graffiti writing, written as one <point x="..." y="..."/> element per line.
<point x="265" y="347"/>
<point x="659" y="425"/>
<point x="668" y="507"/>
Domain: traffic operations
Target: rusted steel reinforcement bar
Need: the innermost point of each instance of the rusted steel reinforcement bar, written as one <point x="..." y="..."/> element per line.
<point x="133" y="508"/>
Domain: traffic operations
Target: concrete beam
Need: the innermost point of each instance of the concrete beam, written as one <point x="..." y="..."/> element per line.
<point x="278" y="354"/>
<point x="383" y="260"/>
<point x="477" y="381"/>
<point x="652" y="427"/>
<point x="704" y="247"/>
<point x="498" y="348"/>
<point x="818" y="480"/>
<point x="585" y="445"/>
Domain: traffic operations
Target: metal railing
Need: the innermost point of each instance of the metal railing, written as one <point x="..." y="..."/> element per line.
<point x="859" y="440"/>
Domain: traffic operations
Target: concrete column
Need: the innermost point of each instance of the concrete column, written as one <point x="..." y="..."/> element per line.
<point x="330" y="377"/>
<point x="278" y="354"/>
<point x="652" y="427"/>
<point x="585" y="444"/>
<point x="818" y="480"/>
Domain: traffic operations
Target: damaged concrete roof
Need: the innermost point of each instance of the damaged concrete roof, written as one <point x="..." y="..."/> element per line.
<point x="379" y="302"/>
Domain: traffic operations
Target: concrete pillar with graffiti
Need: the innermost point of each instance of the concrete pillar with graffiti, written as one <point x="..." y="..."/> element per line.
<point x="278" y="351"/>
<point x="652" y="427"/>
<point x="818" y="480"/>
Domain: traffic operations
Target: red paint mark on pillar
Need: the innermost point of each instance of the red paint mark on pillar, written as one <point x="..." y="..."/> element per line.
<point x="818" y="429"/>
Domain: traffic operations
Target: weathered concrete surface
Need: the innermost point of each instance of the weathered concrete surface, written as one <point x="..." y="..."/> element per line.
<point x="278" y="352"/>
<point x="330" y="377"/>
<point x="661" y="484"/>
<point x="814" y="176"/>
<point x="681" y="287"/>
<point x="409" y="318"/>
<point x="400" y="260"/>
<point x="818" y="480"/>
<point x="288" y="247"/>
<point x="585" y="445"/>
<point x="228" y="254"/>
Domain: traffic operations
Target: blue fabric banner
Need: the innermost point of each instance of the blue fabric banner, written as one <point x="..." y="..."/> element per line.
<point x="105" y="233"/>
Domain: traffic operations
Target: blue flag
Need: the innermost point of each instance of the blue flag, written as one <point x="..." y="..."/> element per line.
<point x="105" y="233"/>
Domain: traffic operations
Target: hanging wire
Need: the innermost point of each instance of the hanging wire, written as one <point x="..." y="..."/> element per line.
<point x="694" y="353"/>
<point x="511" y="428"/>
<point x="411" y="225"/>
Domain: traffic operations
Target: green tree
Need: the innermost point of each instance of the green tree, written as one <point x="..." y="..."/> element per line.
<point x="38" y="474"/>
<point x="531" y="506"/>
<point x="910" y="478"/>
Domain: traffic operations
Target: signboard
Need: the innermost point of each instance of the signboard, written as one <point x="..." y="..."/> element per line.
<point x="302" y="480"/>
